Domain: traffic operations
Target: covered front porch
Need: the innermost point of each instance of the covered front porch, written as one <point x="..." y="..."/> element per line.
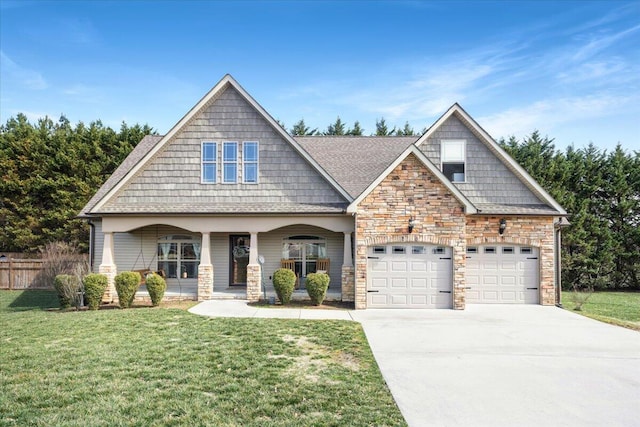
<point x="227" y="263"/>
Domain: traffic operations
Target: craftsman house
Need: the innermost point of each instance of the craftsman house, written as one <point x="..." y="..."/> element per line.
<point x="227" y="196"/>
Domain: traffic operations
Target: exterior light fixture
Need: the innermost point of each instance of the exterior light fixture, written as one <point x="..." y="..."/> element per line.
<point x="503" y="226"/>
<point x="412" y="223"/>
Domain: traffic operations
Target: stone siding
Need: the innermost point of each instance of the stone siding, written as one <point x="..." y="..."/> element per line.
<point x="410" y="190"/>
<point x="110" y="295"/>
<point x="348" y="283"/>
<point x="205" y="282"/>
<point x="530" y="231"/>
<point x="254" y="277"/>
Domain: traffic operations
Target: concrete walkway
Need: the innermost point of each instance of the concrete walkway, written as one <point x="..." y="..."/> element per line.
<point x="492" y="365"/>
<point x="241" y="308"/>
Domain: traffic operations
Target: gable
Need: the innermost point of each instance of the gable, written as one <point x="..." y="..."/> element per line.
<point x="488" y="180"/>
<point x="411" y="189"/>
<point x="408" y="155"/>
<point x="170" y="181"/>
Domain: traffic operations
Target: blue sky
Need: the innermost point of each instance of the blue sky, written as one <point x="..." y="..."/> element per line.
<point x="569" y="69"/>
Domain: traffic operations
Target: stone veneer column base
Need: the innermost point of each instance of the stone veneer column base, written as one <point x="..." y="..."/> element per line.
<point x="254" y="282"/>
<point x="205" y="282"/>
<point x="109" y="270"/>
<point x="348" y="283"/>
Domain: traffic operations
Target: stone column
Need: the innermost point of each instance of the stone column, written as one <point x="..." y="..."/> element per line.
<point x="348" y="272"/>
<point x="108" y="268"/>
<point x="254" y="271"/>
<point x="205" y="270"/>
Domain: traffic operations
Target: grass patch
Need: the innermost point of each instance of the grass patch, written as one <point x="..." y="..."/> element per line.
<point x="618" y="308"/>
<point x="167" y="367"/>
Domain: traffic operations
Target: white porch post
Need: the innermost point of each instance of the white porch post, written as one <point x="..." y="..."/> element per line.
<point x="254" y="272"/>
<point x="347" y="257"/>
<point x="348" y="272"/>
<point x="205" y="269"/>
<point x="108" y="267"/>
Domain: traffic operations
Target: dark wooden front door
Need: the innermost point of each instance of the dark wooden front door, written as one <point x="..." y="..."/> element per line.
<point x="238" y="259"/>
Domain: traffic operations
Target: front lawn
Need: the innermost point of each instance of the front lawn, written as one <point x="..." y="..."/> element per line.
<point x="619" y="308"/>
<point x="162" y="366"/>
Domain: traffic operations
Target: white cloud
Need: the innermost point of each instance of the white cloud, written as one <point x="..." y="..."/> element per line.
<point x="598" y="43"/>
<point x="25" y="77"/>
<point x="547" y="114"/>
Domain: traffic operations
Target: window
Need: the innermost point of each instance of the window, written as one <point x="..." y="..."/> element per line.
<point x="452" y="157"/>
<point x="398" y="250"/>
<point x="472" y="250"/>
<point x="179" y="256"/>
<point x="230" y="162"/>
<point x="250" y="162"/>
<point x="379" y="249"/>
<point x="417" y="250"/>
<point x="209" y="156"/>
<point x="490" y="250"/>
<point x="305" y="250"/>
<point x="526" y="250"/>
<point x="439" y="250"/>
<point x="508" y="250"/>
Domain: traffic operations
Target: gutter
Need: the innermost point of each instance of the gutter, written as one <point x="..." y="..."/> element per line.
<point x="557" y="240"/>
<point x="92" y="242"/>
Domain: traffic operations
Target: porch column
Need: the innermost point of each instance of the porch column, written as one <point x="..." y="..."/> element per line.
<point x="254" y="270"/>
<point x="108" y="268"/>
<point x="205" y="270"/>
<point x="348" y="276"/>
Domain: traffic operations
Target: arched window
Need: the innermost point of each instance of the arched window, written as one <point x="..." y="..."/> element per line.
<point x="305" y="250"/>
<point x="179" y="256"/>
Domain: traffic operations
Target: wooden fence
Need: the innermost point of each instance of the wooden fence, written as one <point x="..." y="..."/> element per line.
<point x="21" y="274"/>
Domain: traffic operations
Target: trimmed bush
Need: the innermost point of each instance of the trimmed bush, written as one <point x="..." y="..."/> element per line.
<point x="156" y="286"/>
<point x="317" y="285"/>
<point x="94" y="287"/>
<point x="67" y="287"/>
<point x="284" y="281"/>
<point x="126" y="285"/>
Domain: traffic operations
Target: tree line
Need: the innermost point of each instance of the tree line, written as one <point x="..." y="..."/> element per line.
<point x="601" y="193"/>
<point x="51" y="169"/>
<point x="339" y="128"/>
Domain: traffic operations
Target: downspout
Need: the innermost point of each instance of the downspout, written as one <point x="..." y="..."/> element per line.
<point x="92" y="238"/>
<point x="559" y="225"/>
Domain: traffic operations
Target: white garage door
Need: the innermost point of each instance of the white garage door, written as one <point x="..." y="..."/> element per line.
<point x="502" y="274"/>
<point x="409" y="276"/>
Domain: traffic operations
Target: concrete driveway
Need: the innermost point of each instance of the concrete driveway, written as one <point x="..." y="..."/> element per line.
<point x="501" y="365"/>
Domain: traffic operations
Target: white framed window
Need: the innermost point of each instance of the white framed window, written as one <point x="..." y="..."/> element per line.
<point x="229" y="162"/>
<point x="305" y="250"/>
<point x="179" y="256"/>
<point x="209" y="162"/>
<point x="453" y="159"/>
<point x="250" y="162"/>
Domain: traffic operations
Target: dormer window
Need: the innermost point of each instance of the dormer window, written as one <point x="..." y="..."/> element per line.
<point x="452" y="157"/>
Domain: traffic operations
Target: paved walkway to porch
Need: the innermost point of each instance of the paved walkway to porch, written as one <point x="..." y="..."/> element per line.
<point x="241" y="308"/>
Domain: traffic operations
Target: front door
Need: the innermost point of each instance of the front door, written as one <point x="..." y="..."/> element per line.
<point x="239" y="259"/>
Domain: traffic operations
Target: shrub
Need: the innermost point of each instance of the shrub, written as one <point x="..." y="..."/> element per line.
<point x="68" y="287"/>
<point x="284" y="281"/>
<point x="317" y="284"/>
<point x="156" y="286"/>
<point x="126" y="285"/>
<point x="94" y="287"/>
<point x="58" y="258"/>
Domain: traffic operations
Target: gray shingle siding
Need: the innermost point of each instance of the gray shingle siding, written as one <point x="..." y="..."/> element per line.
<point x="488" y="180"/>
<point x="173" y="175"/>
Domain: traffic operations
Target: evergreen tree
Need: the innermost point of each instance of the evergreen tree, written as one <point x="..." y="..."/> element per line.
<point x="356" y="130"/>
<point x="336" y="128"/>
<point x="301" y="129"/>
<point x="382" y="129"/>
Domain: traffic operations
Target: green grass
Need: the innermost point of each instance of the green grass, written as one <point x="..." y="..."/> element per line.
<point x="167" y="367"/>
<point x="619" y="308"/>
